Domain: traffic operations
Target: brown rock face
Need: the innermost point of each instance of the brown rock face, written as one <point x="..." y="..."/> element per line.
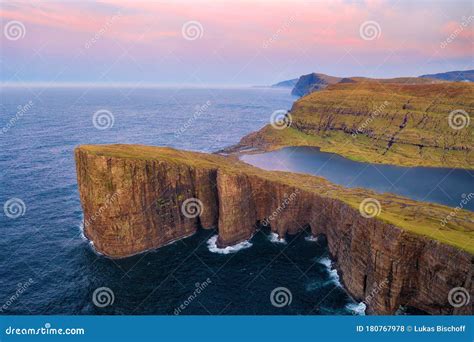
<point x="135" y="204"/>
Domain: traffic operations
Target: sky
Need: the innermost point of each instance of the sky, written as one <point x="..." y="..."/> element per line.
<point x="230" y="42"/>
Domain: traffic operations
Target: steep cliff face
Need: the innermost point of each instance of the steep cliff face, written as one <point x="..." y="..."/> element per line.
<point x="137" y="198"/>
<point x="421" y="124"/>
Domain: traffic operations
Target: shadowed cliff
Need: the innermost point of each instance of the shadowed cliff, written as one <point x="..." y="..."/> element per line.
<point x="137" y="198"/>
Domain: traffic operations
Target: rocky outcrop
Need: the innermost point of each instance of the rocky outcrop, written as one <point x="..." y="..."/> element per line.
<point x="312" y="82"/>
<point x="136" y="198"/>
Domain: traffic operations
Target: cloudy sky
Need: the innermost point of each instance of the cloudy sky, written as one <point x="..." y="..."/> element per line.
<point x="230" y="42"/>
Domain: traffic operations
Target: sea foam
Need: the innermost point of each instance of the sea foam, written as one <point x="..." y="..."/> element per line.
<point x="332" y="272"/>
<point x="357" y="309"/>
<point x="311" y="238"/>
<point x="274" y="237"/>
<point x="212" y="246"/>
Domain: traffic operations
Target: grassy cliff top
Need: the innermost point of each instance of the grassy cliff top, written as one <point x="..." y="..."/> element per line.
<point x="388" y="123"/>
<point x="416" y="217"/>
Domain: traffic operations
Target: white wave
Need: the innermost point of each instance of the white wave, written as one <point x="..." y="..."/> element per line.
<point x="274" y="237"/>
<point x="212" y="246"/>
<point x="358" y="309"/>
<point x="332" y="272"/>
<point x="311" y="238"/>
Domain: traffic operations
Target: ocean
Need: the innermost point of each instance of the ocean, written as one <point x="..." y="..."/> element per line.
<point x="48" y="267"/>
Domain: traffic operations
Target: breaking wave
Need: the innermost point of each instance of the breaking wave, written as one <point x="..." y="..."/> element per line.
<point x="212" y="246"/>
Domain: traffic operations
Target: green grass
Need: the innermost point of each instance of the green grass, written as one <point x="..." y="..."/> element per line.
<point x="413" y="216"/>
<point x="395" y="123"/>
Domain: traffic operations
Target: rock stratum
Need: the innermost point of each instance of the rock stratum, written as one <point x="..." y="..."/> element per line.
<point x="136" y="198"/>
<point x="425" y="124"/>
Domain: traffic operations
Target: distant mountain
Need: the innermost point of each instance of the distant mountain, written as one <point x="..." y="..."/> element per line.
<point x="312" y="82"/>
<point x="455" y="76"/>
<point x="285" y="84"/>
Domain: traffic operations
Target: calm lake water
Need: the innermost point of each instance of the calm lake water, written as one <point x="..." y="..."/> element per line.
<point x="40" y="128"/>
<point x="439" y="185"/>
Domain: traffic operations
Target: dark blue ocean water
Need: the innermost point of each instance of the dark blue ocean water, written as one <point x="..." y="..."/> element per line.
<point x="438" y="185"/>
<point x="47" y="267"/>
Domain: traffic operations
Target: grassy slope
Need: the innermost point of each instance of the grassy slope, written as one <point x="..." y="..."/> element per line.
<point x="417" y="217"/>
<point x="414" y="118"/>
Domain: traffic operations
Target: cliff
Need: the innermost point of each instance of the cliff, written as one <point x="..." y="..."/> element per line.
<point x="137" y="198"/>
<point x="454" y="76"/>
<point x="312" y="82"/>
<point x="389" y="123"/>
